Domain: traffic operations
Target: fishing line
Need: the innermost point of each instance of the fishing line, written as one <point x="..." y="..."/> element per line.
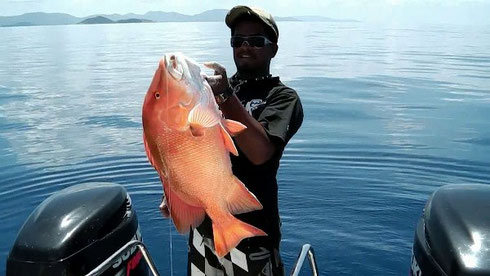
<point x="164" y="72"/>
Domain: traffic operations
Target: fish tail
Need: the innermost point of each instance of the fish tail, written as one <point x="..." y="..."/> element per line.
<point x="229" y="233"/>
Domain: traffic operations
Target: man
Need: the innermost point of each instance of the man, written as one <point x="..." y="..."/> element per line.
<point x="272" y="113"/>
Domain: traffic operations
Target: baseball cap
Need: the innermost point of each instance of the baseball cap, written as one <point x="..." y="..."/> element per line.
<point x="238" y="11"/>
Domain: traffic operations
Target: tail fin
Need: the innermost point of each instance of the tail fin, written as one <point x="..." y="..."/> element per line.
<point x="229" y="233"/>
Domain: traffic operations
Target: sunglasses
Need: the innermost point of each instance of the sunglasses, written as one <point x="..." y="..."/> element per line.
<point x="252" y="41"/>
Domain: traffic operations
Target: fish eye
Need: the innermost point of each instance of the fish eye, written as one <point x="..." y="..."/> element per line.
<point x="157" y="95"/>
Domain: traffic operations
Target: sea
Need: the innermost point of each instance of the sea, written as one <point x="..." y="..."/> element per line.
<point x="392" y="112"/>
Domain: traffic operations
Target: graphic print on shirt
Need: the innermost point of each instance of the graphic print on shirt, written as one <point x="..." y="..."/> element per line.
<point x="253" y="104"/>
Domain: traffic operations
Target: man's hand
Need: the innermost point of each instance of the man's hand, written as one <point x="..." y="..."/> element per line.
<point x="253" y="141"/>
<point x="219" y="81"/>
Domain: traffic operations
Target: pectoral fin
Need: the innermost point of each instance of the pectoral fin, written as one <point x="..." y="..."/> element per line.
<point x="229" y="144"/>
<point x="233" y="127"/>
<point x="203" y="116"/>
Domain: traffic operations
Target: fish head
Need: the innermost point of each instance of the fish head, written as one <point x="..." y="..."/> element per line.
<point x="178" y="85"/>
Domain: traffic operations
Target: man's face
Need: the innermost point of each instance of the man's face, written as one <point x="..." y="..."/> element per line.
<point x="248" y="58"/>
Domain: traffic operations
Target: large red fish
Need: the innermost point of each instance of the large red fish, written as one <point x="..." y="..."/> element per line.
<point x="188" y="142"/>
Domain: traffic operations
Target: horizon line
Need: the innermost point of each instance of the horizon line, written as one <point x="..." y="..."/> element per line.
<point x="116" y="13"/>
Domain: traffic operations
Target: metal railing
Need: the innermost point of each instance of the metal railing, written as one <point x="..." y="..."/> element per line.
<point x="109" y="261"/>
<point x="307" y="250"/>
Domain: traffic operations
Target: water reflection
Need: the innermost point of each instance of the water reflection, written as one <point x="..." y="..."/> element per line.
<point x="390" y="114"/>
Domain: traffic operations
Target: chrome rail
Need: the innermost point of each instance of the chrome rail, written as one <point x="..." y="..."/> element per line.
<point x="109" y="261"/>
<point x="307" y="250"/>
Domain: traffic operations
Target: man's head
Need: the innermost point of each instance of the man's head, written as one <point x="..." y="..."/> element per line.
<point x="254" y="39"/>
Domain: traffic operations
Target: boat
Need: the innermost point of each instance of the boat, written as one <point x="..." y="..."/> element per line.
<point x="452" y="237"/>
<point x="92" y="229"/>
<point x="89" y="229"/>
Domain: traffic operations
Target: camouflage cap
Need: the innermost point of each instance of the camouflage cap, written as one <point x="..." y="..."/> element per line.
<point x="265" y="17"/>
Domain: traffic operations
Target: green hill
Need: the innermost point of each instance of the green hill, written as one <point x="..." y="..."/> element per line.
<point x="97" y="20"/>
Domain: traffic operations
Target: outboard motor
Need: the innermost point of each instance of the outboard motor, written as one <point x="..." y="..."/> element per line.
<point x="75" y="230"/>
<point x="453" y="235"/>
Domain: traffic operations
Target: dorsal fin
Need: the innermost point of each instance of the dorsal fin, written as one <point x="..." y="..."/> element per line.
<point x="148" y="152"/>
<point x="161" y="171"/>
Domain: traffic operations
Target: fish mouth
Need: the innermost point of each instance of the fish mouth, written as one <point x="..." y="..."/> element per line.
<point x="174" y="66"/>
<point x="185" y="73"/>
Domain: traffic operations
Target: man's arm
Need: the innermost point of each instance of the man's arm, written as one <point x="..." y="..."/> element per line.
<point x="253" y="141"/>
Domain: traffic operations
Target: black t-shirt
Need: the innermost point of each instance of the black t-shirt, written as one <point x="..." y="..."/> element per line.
<point x="279" y="110"/>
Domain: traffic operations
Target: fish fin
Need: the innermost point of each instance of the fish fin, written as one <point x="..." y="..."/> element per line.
<point x="229" y="144"/>
<point x="240" y="199"/>
<point x="233" y="127"/>
<point x="196" y="130"/>
<point x="230" y="232"/>
<point x="183" y="214"/>
<point x="148" y="151"/>
<point x="161" y="171"/>
<point x="205" y="117"/>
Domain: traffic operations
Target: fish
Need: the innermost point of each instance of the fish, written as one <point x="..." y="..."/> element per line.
<point x="188" y="142"/>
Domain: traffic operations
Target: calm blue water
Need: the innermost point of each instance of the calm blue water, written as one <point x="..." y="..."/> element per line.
<point x="391" y="113"/>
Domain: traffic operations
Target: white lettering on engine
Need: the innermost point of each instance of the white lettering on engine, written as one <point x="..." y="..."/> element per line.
<point x="125" y="256"/>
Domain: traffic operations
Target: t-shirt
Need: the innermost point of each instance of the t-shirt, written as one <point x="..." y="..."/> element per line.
<point x="279" y="110"/>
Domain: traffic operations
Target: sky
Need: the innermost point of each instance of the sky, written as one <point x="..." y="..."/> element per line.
<point x="441" y="11"/>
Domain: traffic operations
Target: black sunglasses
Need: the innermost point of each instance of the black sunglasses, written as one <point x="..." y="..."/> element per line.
<point x="257" y="41"/>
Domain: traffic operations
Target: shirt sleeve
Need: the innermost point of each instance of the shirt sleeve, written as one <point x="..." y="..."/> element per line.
<point x="282" y="115"/>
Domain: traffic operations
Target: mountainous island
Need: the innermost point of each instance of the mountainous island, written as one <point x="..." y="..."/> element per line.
<point x="217" y="15"/>
<point x="104" y="20"/>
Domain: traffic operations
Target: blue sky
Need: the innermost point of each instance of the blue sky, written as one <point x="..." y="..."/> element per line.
<point x="448" y="11"/>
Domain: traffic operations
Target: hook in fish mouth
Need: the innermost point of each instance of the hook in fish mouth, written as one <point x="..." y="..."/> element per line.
<point x="172" y="63"/>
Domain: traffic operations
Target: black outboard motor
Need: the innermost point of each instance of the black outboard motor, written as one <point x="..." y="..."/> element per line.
<point x="75" y="230"/>
<point x="453" y="235"/>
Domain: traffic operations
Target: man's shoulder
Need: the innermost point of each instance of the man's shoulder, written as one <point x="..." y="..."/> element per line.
<point x="283" y="91"/>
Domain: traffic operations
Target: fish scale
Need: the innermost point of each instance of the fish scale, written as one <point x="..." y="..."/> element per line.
<point x="192" y="151"/>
